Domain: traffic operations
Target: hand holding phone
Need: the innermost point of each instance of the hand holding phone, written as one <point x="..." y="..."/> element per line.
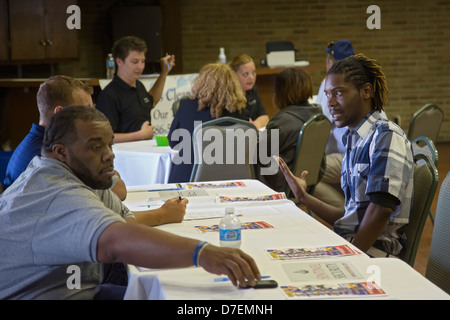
<point x="262" y="284"/>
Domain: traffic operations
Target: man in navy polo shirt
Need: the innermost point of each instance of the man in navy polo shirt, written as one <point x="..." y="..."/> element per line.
<point x="125" y="101"/>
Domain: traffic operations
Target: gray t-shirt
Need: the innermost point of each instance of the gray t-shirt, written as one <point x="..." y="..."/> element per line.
<point x="111" y="201"/>
<point x="49" y="222"/>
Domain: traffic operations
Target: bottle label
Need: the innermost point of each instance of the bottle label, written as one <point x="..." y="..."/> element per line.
<point x="230" y="234"/>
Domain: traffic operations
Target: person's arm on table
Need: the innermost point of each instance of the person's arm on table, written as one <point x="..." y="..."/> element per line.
<point x="261" y="121"/>
<point x="152" y="248"/>
<point x="146" y="133"/>
<point x="172" y="211"/>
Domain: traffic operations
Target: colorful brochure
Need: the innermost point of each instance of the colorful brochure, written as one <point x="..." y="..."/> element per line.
<point x="244" y="226"/>
<point x="206" y="185"/>
<point x="306" y="253"/>
<point x="357" y="289"/>
<point x="227" y="199"/>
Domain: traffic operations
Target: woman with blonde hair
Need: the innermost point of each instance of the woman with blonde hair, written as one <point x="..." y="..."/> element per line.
<point x="215" y="93"/>
<point x="245" y="69"/>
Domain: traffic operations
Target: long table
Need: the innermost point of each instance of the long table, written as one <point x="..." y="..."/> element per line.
<point x="143" y="162"/>
<point x="290" y="228"/>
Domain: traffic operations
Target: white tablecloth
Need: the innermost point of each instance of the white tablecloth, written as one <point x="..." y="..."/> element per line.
<point x="142" y="162"/>
<point x="293" y="228"/>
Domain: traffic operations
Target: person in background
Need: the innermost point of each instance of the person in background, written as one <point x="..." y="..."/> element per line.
<point x="293" y="88"/>
<point x="335" y="51"/>
<point x="51" y="220"/>
<point x="329" y="188"/>
<point x="53" y="95"/>
<point x="378" y="168"/>
<point x="215" y="93"/>
<point x="125" y="101"/>
<point x="244" y="66"/>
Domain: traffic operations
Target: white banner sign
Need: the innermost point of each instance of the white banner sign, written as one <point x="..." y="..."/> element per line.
<point x="176" y="87"/>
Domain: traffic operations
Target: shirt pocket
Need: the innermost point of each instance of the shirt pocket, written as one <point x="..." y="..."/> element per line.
<point x="359" y="176"/>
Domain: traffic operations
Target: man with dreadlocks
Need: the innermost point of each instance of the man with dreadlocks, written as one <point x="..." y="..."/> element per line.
<point x="377" y="170"/>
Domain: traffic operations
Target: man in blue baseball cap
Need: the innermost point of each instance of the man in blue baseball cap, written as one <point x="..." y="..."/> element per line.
<point x="340" y="50"/>
<point x="335" y="51"/>
<point x="329" y="189"/>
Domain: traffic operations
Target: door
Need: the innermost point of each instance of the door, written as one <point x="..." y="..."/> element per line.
<point x="38" y="30"/>
<point x="61" y="42"/>
<point x="27" y="30"/>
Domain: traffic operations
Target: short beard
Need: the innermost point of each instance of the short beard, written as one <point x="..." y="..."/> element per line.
<point x="84" y="175"/>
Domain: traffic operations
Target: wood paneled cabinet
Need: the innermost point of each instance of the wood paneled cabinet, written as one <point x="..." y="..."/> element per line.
<point x="38" y="30"/>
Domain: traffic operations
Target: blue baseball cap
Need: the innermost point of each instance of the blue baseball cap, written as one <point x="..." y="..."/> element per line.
<point x="340" y="50"/>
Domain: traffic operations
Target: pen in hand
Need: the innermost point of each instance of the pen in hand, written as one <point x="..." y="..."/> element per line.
<point x="168" y="63"/>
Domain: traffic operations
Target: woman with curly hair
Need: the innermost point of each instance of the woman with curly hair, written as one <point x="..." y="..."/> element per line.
<point x="215" y="93"/>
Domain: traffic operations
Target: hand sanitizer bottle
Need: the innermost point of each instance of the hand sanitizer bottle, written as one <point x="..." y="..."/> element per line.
<point x="222" y="56"/>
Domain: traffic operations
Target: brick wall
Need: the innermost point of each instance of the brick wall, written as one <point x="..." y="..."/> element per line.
<point x="94" y="41"/>
<point x="413" y="44"/>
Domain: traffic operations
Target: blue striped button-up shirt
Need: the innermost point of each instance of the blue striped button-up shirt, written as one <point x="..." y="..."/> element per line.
<point x="378" y="159"/>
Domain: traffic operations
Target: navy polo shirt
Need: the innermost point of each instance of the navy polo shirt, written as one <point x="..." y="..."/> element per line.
<point x="24" y="153"/>
<point x="254" y="104"/>
<point x="126" y="107"/>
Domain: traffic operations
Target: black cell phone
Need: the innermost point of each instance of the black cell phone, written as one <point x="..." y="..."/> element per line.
<point x="262" y="284"/>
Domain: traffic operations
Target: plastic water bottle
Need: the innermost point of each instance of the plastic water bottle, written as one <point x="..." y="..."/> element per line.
<point x="230" y="230"/>
<point x="222" y="56"/>
<point x="110" y="66"/>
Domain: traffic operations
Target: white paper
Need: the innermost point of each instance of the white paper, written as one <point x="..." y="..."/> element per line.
<point x="198" y="214"/>
<point x="322" y="271"/>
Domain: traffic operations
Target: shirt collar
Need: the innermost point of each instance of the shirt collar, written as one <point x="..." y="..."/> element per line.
<point x="37" y="130"/>
<point x="363" y="127"/>
<point x="122" y="84"/>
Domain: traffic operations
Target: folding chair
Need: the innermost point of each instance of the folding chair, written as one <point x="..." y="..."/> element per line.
<point x="426" y="180"/>
<point x="310" y="151"/>
<point x="423" y="145"/>
<point x="224" y="149"/>
<point x="426" y="122"/>
<point x="438" y="266"/>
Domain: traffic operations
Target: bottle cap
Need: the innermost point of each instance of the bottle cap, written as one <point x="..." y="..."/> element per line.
<point x="229" y="210"/>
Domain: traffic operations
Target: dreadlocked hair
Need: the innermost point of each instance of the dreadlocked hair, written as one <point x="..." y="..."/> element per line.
<point x="360" y="70"/>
